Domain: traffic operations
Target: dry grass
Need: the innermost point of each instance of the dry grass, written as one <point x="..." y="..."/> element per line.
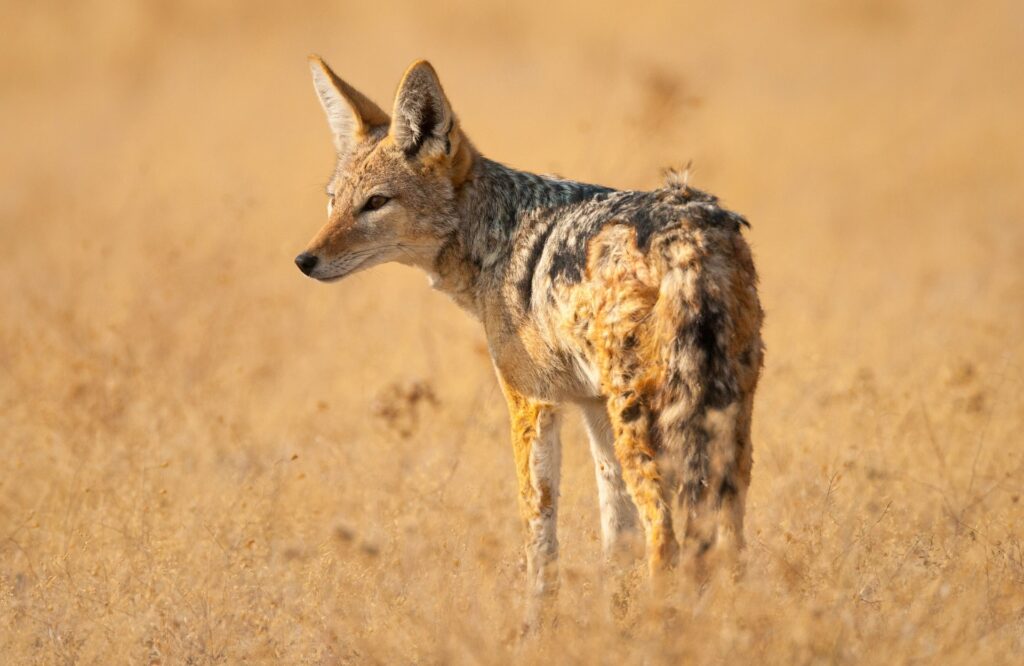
<point x="210" y="459"/>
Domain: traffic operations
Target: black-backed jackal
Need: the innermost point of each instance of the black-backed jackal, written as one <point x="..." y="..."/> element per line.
<point x="640" y="307"/>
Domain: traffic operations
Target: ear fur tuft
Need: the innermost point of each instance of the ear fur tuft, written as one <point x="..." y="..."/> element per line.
<point x="351" y="115"/>
<point x="421" y="113"/>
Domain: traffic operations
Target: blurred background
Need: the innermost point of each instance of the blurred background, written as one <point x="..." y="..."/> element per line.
<point x="208" y="458"/>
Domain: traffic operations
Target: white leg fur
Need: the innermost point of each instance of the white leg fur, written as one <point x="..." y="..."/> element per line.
<point x="619" y="518"/>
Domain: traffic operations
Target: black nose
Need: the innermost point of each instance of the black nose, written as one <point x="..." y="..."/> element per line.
<point x="306" y="262"/>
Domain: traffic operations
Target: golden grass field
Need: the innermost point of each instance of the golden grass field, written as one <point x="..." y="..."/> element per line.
<point x="207" y="458"/>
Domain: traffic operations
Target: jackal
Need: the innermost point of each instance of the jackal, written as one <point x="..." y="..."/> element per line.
<point x="639" y="307"/>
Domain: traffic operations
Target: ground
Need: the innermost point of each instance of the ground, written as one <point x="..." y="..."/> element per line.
<point x="209" y="458"/>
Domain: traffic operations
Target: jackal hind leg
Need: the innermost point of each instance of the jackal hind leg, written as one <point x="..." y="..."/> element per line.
<point x="713" y="499"/>
<point x="732" y="496"/>
<point x="635" y="449"/>
<point x="537" y="450"/>
<point x="620" y="527"/>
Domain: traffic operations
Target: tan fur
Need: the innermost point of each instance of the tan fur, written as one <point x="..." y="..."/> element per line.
<point x="530" y="420"/>
<point x="640" y="307"/>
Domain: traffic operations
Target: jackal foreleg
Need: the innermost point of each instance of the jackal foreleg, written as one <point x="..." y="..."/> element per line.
<point x="537" y="449"/>
<point x="618" y="514"/>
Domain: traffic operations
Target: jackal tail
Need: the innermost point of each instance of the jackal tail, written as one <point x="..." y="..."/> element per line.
<point x="703" y="414"/>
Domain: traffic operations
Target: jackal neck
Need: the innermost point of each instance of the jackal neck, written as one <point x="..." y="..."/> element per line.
<point x="494" y="204"/>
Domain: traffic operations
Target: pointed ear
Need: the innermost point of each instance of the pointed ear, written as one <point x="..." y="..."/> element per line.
<point x="422" y="118"/>
<point x="350" y="114"/>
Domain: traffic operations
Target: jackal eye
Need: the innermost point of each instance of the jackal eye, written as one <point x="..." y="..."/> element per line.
<point x="375" y="202"/>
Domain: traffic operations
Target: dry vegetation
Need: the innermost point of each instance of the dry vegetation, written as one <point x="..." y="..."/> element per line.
<point x="209" y="459"/>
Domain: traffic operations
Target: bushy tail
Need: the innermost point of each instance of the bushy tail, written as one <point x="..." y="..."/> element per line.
<point x="700" y="401"/>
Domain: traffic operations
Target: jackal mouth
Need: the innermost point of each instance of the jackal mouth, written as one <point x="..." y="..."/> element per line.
<point x="332" y="278"/>
<point x="346" y="266"/>
<point x="327" y="279"/>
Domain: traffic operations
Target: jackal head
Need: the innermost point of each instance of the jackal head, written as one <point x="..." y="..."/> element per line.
<point x="392" y="195"/>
